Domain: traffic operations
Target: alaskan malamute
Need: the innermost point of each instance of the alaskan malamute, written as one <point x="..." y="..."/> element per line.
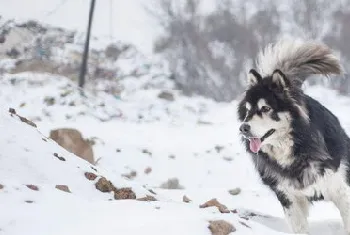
<point x="297" y="145"/>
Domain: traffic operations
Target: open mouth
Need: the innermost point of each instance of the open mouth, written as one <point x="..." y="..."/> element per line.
<point x="255" y="142"/>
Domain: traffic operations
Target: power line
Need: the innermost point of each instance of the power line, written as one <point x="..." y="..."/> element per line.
<point x="58" y="6"/>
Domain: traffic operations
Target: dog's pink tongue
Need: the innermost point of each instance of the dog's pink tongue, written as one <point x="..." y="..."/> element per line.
<point x="255" y="144"/>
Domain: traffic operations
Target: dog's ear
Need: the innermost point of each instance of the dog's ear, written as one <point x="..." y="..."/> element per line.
<point x="253" y="78"/>
<point x="280" y="80"/>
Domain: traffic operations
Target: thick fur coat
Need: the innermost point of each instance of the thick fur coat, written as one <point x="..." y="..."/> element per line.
<point x="297" y="145"/>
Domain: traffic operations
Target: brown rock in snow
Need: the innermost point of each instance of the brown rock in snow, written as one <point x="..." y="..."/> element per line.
<point x="148" y="198"/>
<point x="104" y="185"/>
<point x="124" y="193"/>
<point x="23" y="119"/>
<point x="148" y="170"/>
<point x="63" y="188"/>
<point x="214" y="202"/>
<point x="221" y="227"/>
<point x="72" y="141"/>
<point x="32" y="187"/>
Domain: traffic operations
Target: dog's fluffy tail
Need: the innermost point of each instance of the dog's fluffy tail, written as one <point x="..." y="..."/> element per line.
<point x="298" y="59"/>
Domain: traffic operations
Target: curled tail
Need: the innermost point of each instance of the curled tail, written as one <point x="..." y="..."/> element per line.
<point x="298" y="59"/>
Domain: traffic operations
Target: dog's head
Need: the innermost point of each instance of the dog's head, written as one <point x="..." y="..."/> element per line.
<point x="267" y="109"/>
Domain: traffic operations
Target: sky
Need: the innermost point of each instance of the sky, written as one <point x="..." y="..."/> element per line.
<point x="130" y="22"/>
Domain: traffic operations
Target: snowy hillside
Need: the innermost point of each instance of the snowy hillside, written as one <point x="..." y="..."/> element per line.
<point x="162" y="159"/>
<point x="46" y="187"/>
<point x="165" y="163"/>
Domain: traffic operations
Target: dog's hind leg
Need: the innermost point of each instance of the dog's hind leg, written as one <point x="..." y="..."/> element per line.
<point x="340" y="195"/>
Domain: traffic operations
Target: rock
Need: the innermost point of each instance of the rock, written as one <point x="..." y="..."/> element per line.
<point x="49" y="101"/>
<point x="151" y="191"/>
<point x="105" y="185"/>
<point x="72" y="141"/>
<point x="146" y="151"/>
<point x="63" y="188"/>
<point x="172" y="183"/>
<point x="1" y="186"/>
<point x="166" y="95"/>
<point x="186" y="199"/>
<point x="23" y="119"/>
<point x="32" y="187"/>
<point x="214" y="202"/>
<point x="124" y="193"/>
<point x="59" y="157"/>
<point x="229" y="159"/>
<point x="112" y="51"/>
<point x="148" y="170"/>
<point x="29" y="201"/>
<point x="172" y="156"/>
<point x="221" y="227"/>
<point x="130" y="175"/>
<point x="2" y="39"/>
<point x="235" y="191"/>
<point x="90" y="176"/>
<point x="148" y="198"/>
<point x="14" y="53"/>
<point x="219" y="148"/>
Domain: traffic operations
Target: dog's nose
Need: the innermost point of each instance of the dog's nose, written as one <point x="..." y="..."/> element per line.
<point x="244" y="128"/>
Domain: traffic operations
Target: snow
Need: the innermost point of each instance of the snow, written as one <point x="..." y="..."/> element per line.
<point x="207" y="159"/>
<point x="192" y="139"/>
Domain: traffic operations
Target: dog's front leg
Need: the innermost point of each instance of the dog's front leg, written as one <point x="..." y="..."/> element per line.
<point x="296" y="211"/>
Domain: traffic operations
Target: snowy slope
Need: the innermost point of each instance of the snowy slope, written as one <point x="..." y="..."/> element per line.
<point x="206" y="158"/>
<point x="31" y="167"/>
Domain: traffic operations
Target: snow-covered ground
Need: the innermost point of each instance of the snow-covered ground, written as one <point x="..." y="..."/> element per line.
<point x="193" y="140"/>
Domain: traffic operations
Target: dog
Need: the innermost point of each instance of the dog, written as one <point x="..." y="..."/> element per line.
<point x="297" y="145"/>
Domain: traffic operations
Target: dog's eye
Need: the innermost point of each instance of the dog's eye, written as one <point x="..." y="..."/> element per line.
<point x="265" y="109"/>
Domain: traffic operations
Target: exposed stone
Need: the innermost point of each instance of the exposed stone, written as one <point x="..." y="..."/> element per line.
<point x="214" y="202"/>
<point x="186" y="199"/>
<point x="124" y="193"/>
<point x="32" y="187"/>
<point x="148" y="198"/>
<point x="221" y="227"/>
<point x="72" y="141"/>
<point x="104" y="185"/>
<point x="130" y="175"/>
<point x="235" y="191"/>
<point x="49" y="101"/>
<point x="63" y="188"/>
<point x="146" y="151"/>
<point x="148" y="170"/>
<point x="172" y="183"/>
<point x="166" y="95"/>
<point x="59" y="157"/>
<point x="219" y="148"/>
<point x="23" y="119"/>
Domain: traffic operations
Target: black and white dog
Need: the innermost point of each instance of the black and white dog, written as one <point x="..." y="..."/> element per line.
<point x="297" y="145"/>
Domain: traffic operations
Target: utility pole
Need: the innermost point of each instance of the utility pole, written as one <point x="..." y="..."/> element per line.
<point x="86" y="47"/>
